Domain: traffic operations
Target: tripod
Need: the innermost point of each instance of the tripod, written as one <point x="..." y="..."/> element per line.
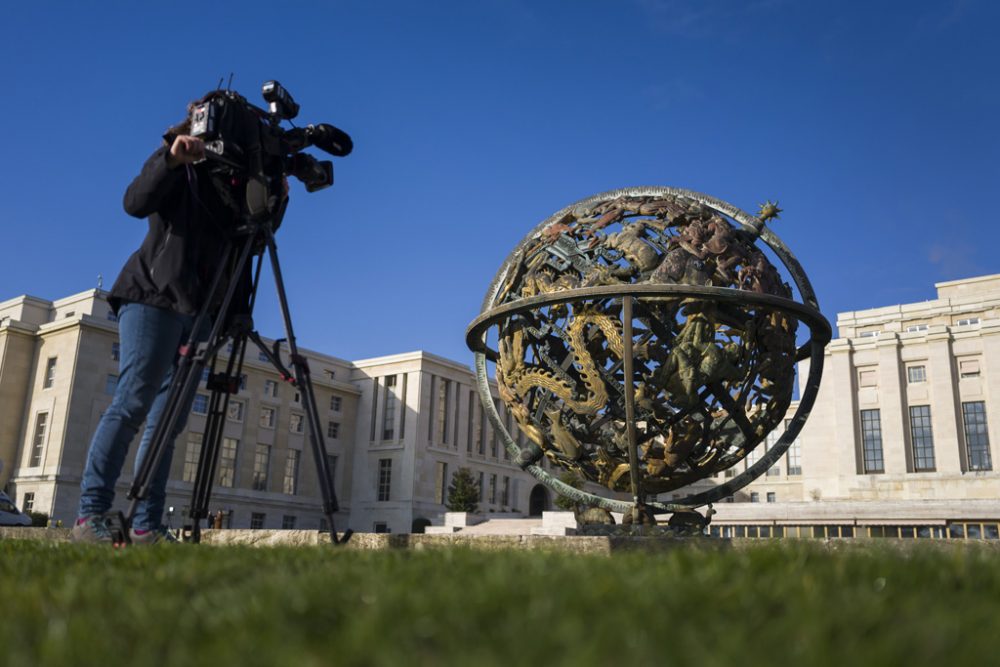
<point x="251" y="239"/>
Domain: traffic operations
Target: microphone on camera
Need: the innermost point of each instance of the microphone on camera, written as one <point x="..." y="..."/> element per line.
<point x="330" y="139"/>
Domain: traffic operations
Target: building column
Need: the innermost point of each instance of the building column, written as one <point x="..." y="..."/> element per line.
<point x="945" y="419"/>
<point x="892" y="405"/>
<point x="990" y="332"/>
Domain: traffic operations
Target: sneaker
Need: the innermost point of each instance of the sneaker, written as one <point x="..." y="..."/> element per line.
<point x="92" y="529"/>
<point x="161" y="535"/>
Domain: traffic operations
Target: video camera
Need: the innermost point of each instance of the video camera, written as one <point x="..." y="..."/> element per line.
<point x="247" y="146"/>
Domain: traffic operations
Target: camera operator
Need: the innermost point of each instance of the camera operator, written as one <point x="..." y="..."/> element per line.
<point x="157" y="296"/>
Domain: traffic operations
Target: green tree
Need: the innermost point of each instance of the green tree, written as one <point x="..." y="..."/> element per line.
<point x="562" y="502"/>
<point x="463" y="492"/>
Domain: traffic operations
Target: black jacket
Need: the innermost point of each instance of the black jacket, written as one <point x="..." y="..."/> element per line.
<point x="188" y="228"/>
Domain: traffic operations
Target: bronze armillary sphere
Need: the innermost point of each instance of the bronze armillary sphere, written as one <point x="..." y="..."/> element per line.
<point x="645" y="342"/>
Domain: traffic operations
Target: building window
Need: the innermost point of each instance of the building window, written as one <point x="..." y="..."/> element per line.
<point x="116" y="351"/>
<point x="441" y="414"/>
<point x="795" y="458"/>
<point x="110" y="384"/>
<point x="374" y="408"/>
<point x="243" y="382"/>
<point x="754" y="497"/>
<point x="380" y="527"/>
<point x="296" y="423"/>
<point x="262" y="356"/>
<point x="297" y="397"/>
<point x="432" y="409"/>
<point x="402" y="412"/>
<point x="493" y="489"/>
<point x="270" y="388"/>
<point x="333" y="430"/>
<point x="288" y="522"/>
<point x="335" y="403"/>
<point x="200" y="404"/>
<point x="330" y="374"/>
<point x="227" y="462"/>
<point x="967" y="321"/>
<point x="261" y="465"/>
<point x="267" y="417"/>
<point x="772" y="497"/>
<point x="112" y="317"/>
<point x="871" y="439"/>
<point x="469" y="426"/>
<point x="191" y="456"/>
<point x="482" y="489"/>
<point x="205" y="373"/>
<point x="38" y="441"/>
<point x="968" y="368"/>
<point x="922" y="438"/>
<point x="384" y="479"/>
<point x="505" y="492"/>
<point x="916" y="374"/>
<point x="916" y="327"/>
<point x="730" y="472"/>
<point x="389" y="408"/>
<point x="28" y="502"/>
<point x="50" y="373"/>
<point x="291" y="482"/>
<point x="769" y="442"/>
<point x="977" y="439"/>
<point x="234" y="412"/>
<point x="441" y="483"/>
<point x="257" y="520"/>
<point x="871" y="333"/>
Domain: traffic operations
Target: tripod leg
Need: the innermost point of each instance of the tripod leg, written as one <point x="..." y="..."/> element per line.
<point x="207" y="459"/>
<point x="303" y="380"/>
<point x="188" y="373"/>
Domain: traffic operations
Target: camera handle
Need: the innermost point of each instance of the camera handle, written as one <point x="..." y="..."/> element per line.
<point x="194" y="358"/>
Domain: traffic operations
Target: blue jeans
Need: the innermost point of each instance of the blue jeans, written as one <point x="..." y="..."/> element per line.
<point x="149" y="340"/>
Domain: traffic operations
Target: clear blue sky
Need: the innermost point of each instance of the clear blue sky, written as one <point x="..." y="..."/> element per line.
<point x="874" y="123"/>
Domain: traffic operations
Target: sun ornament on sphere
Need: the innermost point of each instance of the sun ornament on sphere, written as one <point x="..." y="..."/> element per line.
<point x="644" y="341"/>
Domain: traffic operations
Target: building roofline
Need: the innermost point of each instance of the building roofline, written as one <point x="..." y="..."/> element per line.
<point x="25" y="298"/>
<point x="81" y="296"/>
<point x="416" y="355"/>
<point x="961" y="281"/>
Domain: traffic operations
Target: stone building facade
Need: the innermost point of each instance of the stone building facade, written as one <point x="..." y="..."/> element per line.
<point x="903" y="436"/>
<point x="905" y="422"/>
<point x="420" y="420"/>
<point x="396" y="429"/>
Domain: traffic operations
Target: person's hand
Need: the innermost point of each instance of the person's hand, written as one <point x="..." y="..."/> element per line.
<point x="185" y="150"/>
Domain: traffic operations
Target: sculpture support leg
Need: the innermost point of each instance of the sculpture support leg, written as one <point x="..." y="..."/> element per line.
<point x="629" y="382"/>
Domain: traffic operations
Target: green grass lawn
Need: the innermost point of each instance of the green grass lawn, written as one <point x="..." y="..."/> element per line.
<point x="777" y="603"/>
